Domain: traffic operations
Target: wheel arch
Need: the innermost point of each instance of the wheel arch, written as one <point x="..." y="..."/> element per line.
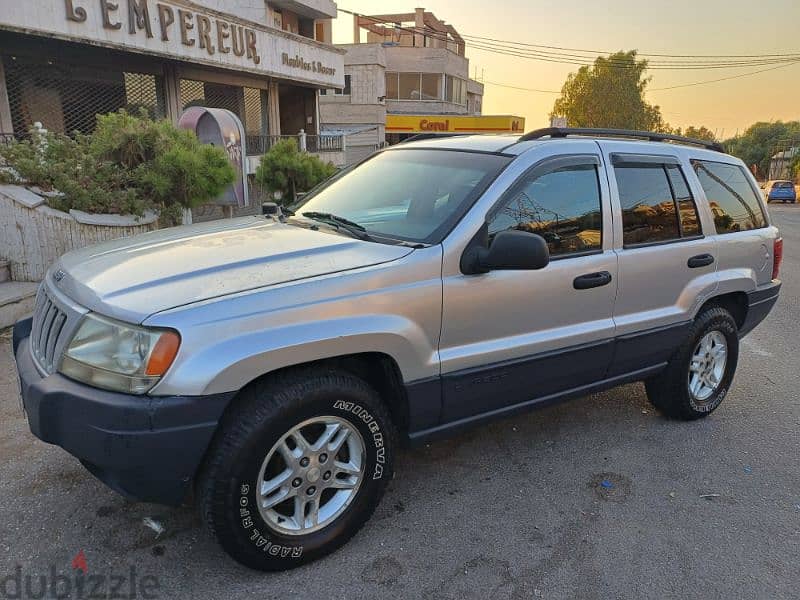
<point x="734" y="302"/>
<point x="378" y="369"/>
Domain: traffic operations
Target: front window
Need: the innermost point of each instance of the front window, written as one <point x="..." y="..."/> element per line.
<point x="408" y="195"/>
<point x="563" y="206"/>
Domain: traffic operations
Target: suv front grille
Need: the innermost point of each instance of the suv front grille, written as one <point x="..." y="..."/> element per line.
<point x="53" y="322"/>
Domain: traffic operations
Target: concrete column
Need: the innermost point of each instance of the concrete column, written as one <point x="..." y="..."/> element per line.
<point x="6" y="124"/>
<point x="356" y="30"/>
<point x="274" y="104"/>
<point x="419" y="24"/>
<point x="172" y="93"/>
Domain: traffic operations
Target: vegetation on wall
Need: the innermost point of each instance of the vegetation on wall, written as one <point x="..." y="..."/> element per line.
<point x="285" y="171"/>
<point x="129" y="165"/>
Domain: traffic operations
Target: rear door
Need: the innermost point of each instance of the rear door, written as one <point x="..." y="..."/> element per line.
<point x="667" y="254"/>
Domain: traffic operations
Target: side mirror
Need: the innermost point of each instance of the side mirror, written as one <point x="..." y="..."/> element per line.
<point x="509" y="251"/>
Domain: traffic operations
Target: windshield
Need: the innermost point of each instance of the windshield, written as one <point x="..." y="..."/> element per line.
<point x="784" y="185"/>
<point x="409" y="195"/>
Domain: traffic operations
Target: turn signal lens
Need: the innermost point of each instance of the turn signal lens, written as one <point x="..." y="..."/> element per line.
<point x="777" y="254"/>
<point x="163" y="354"/>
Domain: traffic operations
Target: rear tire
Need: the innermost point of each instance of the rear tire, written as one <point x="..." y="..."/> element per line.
<point x="279" y="488"/>
<point x="700" y="373"/>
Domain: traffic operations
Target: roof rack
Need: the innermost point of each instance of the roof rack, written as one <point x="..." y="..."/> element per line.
<point x="430" y="136"/>
<point x="563" y="132"/>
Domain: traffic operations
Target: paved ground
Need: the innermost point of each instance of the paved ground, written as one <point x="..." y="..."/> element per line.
<point x="512" y="510"/>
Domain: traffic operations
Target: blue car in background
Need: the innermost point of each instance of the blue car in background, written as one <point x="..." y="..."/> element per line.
<point x="780" y="191"/>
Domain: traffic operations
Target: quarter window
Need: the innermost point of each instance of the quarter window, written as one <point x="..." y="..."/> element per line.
<point x="563" y="206"/>
<point x="657" y="205"/>
<point x="732" y="199"/>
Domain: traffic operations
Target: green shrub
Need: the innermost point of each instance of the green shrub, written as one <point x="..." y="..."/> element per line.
<point x="286" y="170"/>
<point x="128" y="165"/>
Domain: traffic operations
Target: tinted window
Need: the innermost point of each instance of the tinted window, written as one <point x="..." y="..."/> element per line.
<point x="414" y="195"/>
<point x="648" y="208"/>
<point x="784" y="185"/>
<point x="687" y="209"/>
<point x="562" y="206"/>
<point x="732" y="199"/>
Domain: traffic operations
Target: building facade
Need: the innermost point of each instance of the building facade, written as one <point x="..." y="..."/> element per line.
<point x="62" y="62"/>
<point x="406" y="68"/>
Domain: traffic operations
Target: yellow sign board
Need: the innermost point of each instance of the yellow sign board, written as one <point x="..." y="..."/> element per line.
<point x="454" y="124"/>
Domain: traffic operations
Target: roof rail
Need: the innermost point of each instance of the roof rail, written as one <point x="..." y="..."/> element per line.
<point x="563" y="132"/>
<point x="431" y="136"/>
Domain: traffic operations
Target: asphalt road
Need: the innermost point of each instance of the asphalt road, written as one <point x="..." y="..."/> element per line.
<point x="513" y="510"/>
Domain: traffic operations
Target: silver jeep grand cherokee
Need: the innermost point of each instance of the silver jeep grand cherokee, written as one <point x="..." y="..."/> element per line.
<point x="273" y="365"/>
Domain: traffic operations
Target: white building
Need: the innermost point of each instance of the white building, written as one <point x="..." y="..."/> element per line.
<point x="406" y="74"/>
<point x="64" y="61"/>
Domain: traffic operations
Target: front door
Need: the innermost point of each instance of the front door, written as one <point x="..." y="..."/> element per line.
<point x="511" y="337"/>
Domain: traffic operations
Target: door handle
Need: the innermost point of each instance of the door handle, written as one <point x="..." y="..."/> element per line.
<point x="592" y="280"/>
<point x="701" y="260"/>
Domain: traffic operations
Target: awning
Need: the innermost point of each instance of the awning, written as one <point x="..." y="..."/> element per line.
<point x="454" y="124"/>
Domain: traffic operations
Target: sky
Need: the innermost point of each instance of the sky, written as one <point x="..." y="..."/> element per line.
<point x="686" y="27"/>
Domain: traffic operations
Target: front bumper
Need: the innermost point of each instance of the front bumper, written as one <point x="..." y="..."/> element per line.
<point x="759" y="304"/>
<point x="144" y="447"/>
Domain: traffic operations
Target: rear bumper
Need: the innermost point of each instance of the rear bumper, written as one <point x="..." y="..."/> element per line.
<point x="759" y="305"/>
<point x="147" y="448"/>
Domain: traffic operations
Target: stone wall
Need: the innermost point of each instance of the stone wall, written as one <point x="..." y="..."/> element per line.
<point x="33" y="235"/>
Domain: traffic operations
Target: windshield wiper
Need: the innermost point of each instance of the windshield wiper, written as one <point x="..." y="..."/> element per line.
<point x="353" y="228"/>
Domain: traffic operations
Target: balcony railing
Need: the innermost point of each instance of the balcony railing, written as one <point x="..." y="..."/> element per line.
<point x="317" y="144"/>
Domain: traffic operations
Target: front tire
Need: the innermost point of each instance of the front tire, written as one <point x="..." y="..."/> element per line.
<point x="700" y="373"/>
<point x="297" y="468"/>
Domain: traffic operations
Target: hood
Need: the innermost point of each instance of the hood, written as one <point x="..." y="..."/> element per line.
<point x="133" y="278"/>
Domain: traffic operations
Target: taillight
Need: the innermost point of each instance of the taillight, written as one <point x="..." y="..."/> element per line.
<point x="777" y="254"/>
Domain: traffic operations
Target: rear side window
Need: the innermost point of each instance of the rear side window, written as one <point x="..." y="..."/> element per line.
<point x="731" y="198"/>
<point x="657" y="205"/>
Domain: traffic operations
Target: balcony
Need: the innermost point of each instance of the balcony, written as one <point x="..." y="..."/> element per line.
<point x="312" y="9"/>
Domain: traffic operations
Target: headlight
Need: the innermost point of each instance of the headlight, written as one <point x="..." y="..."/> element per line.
<point x="119" y="357"/>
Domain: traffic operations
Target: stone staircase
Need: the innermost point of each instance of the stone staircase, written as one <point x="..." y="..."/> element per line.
<point x="16" y="297"/>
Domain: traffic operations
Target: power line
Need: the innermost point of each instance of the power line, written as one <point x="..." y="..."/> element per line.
<point x="686" y="85"/>
<point x="785" y="54"/>
<point x="522" y="89"/>
<point x="509" y="48"/>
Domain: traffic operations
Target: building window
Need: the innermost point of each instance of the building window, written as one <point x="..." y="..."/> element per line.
<point x="392" y="86"/>
<point x="431" y="86"/>
<point x="334" y="92"/>
<point x="563" y="206"/>
<point x="67" y="98"/>
<point x="409" y="87"/>
<point x="346" y="91"/>
<point x="455" y="90"/>
<point x="414" y="86"/>
<point x="732" y="199"/>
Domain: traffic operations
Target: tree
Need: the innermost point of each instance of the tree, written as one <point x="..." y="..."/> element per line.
<point x="697" y="133"/>
<point x="609" y="94"/>
<point x="287" y="171"/>
<point x="762" y="141"/>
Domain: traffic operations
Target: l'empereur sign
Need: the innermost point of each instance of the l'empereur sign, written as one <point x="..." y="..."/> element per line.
<point x="213" y="36"/>
<point x="179" y="29"/>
